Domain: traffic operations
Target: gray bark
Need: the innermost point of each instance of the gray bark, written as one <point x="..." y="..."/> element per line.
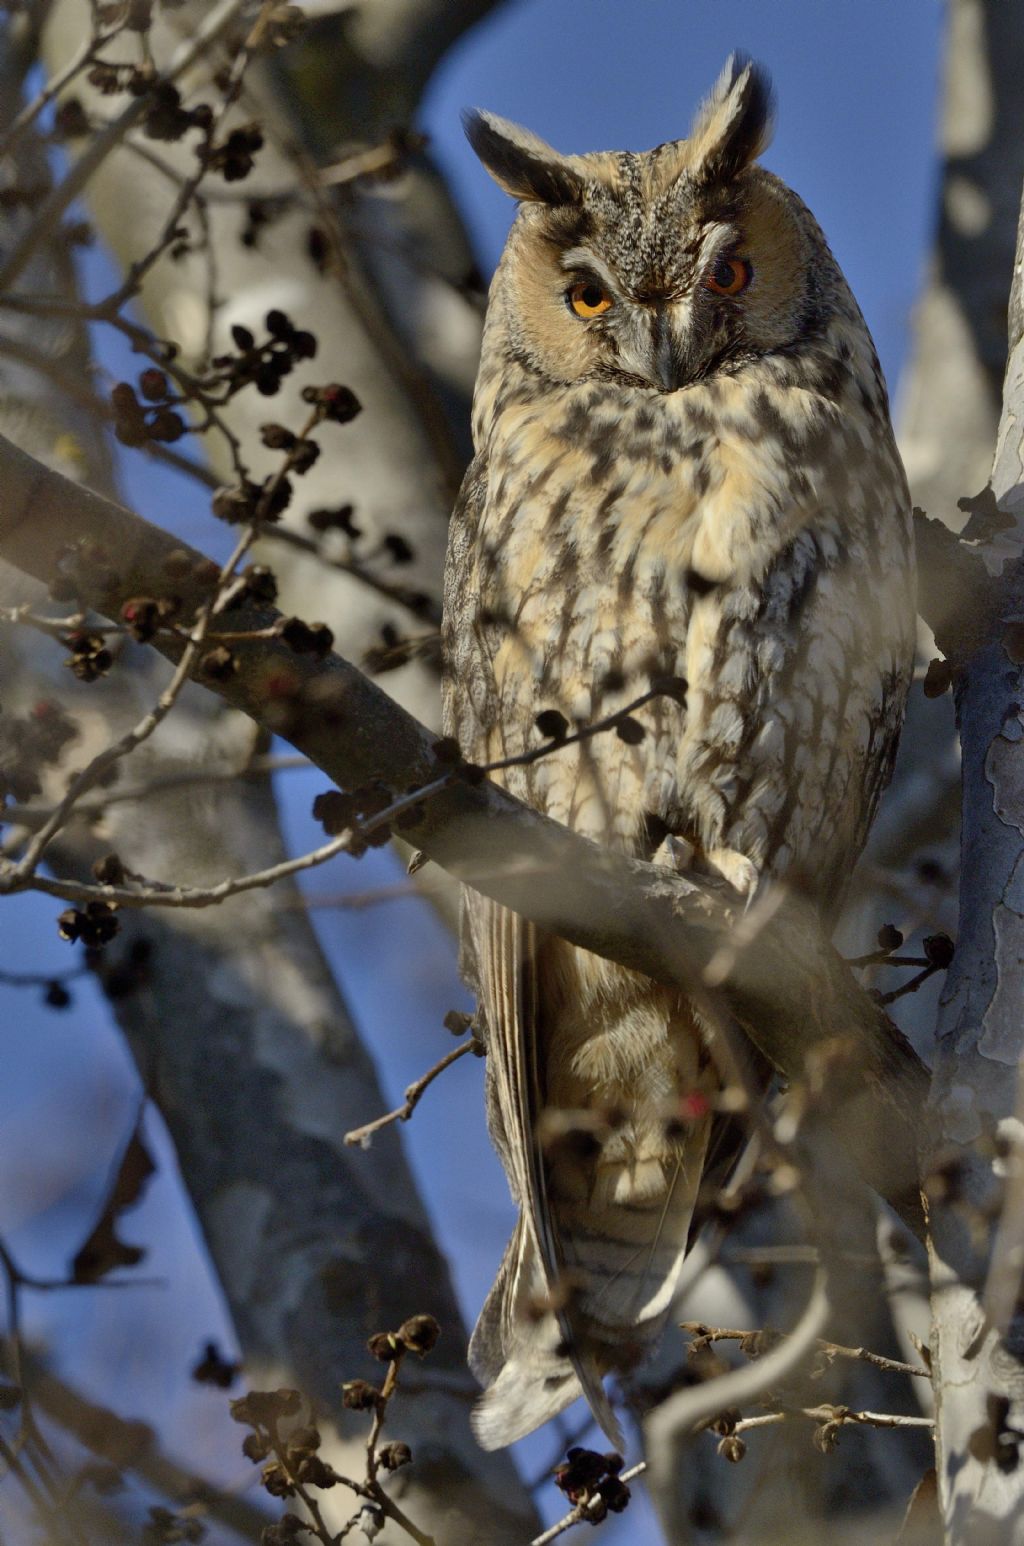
<point x="949" y="401"/>
<point x="947" y="411"/>
<point x="780" y="978"/>
<point x="390" y="317"/>
<point x="950" y="407"/>
<point x="976" y="1137"/>
<point x="244" y="1040"/>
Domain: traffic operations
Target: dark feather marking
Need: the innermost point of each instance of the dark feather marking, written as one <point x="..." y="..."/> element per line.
<point x="747" y="128"/>
<point x="699" y="583"/>
<point x="558" y="508"/>
<point x="524" y="173"/>
<point x="603" y="463"/>
<point x="626" y="578"/>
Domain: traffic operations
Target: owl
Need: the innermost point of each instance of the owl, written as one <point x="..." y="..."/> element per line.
<point x="684" y="472"/>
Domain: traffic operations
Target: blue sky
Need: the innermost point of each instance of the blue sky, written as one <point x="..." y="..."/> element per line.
<point x="856" y="88"/>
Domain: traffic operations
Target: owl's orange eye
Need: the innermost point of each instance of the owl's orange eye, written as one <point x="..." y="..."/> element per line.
<point x="588" y="299"/>
<point x="729" y="276"/>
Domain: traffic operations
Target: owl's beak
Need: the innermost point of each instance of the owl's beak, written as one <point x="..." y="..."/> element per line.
<point x="670" y="363"/>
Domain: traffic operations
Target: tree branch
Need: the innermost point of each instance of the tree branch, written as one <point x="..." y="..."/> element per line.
<point x="413" y="1095"/>
<point x="788" y="988"/>
<point x="51" y="211"/>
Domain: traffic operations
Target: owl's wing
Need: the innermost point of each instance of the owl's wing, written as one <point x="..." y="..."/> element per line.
<point x="523" y="1345"/>
<point x="517" y="1349"/>
<point x="505" y="950"/>
<point x="499" y="948"/>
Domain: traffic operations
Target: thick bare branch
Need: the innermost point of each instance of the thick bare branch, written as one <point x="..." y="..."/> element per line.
<point x="790" y="991"/>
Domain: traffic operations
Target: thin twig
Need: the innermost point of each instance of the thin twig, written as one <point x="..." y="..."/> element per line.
<point x="422" y="606"/>
<point x="78" y="389"/>
<point x="910" y="986"/>
<point x="702" y="1333"/>
<point x="182" y="896"/>
<point x="52" y="210"/>
<point x="832" y="1417"/>
<point x="364" y="163"/>
<point x="362" y="1136"/>
<point x="374" y="317"/>
<point x="53" y="88"/>
<point x="90" y="775"/>
<point x="157" y="894"/>
<point x="583" y="1513"/>
<point x="829" y="1416"/>
<point x="188" y="189"/>
<point x="32" y="817"/>
<point x="684" y="1411"/>
<point x="40" y="979"/>
<point x="584" y="733"/>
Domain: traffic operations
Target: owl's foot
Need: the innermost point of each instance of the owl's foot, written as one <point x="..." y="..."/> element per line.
<point x="736" y="868"/>
<point x="677" y="852"/>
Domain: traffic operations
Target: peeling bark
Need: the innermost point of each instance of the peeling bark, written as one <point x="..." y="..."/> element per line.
<point x="976" y="1136"/>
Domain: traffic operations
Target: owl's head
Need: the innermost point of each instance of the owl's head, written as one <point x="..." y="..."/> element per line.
<point x="661" y="268"/>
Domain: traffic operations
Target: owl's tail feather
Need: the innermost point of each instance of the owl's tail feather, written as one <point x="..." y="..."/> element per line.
<point x="518" y="1352"/>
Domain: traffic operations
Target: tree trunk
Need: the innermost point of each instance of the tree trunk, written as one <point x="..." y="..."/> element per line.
<point x="976" y="1142"/>
<point x="242" y="1037"/>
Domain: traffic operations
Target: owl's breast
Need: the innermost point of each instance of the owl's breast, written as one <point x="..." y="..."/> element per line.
<point x="588" y="581"/>
<point x="755" y="545"/>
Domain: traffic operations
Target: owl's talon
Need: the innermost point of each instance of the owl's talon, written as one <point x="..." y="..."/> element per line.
<point x="675" y="852"/>
<point x="741" y="872"/>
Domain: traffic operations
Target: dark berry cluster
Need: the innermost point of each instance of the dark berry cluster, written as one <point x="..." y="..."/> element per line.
<point x="156" y="418"/>
<point x="95" y="925"/>
<point x="249" y="502"/>
<point x="144" y="616"/>
<point x="28" y="743"/>
<point x="417" y="1335"/>
<point x="939" y="950"/>
<point x="593" y="1480"/>
<point x="306" y="638"/>
<point x="338" y="812"/>
<point x="337" y="404"/>
<point x="266" y="364"/>
<point x="337" y="518"/>
<point x="88" y="656"/>
<point x="302" y="453"/>
<point x="70" y="121"/>
<point x="394" y="650"/>
<point x="289" y="1463"/>
<point x="166" y="119"/>
<point x="235" y="156"/>
<point x="164" y="1528"/>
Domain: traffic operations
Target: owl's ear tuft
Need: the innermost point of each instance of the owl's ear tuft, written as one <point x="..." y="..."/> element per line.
<point x="521" y="162"/>
<point x="733" y="126"/>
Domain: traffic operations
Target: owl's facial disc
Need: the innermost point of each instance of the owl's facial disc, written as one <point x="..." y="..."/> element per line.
<point x="666" y="341"/>
<point x="657" y="344"/>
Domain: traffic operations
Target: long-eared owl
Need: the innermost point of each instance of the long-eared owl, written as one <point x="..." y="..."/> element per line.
<point x="684" y="471"/>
